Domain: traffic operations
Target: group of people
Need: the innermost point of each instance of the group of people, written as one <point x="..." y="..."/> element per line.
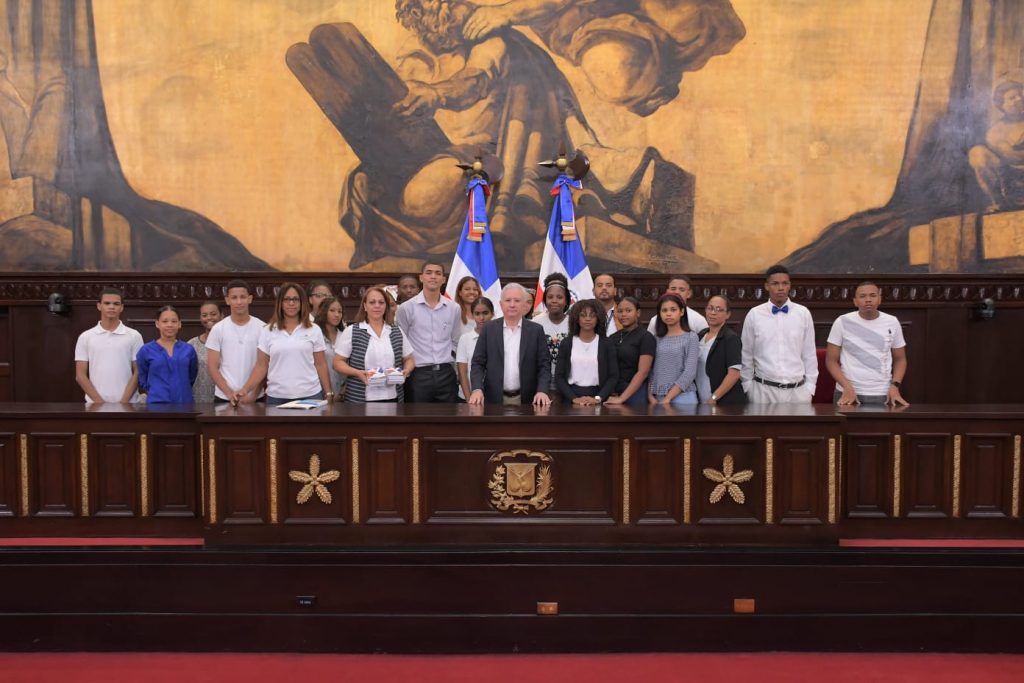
<point x="420" y="346"/>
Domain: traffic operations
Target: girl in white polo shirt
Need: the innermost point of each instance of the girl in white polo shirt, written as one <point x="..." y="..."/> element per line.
<point x="290" y="353"/>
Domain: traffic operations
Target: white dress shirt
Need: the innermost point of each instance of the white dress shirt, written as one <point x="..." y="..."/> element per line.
<point x="512" y="336"/>
<point x="779" y="348"/>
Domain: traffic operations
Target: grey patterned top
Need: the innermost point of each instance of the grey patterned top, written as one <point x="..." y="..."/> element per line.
<point x="202" y="388"/>
<point x="675" y="363"/>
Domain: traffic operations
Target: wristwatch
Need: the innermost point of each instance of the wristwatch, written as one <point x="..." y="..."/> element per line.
<point x="598" y="398"/>
<point x="896" y="384"/>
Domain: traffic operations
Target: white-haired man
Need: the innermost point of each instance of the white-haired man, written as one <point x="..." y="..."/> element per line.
<point x="510" y="336"/>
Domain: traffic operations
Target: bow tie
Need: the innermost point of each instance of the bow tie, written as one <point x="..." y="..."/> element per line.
<point x="777" y="309"/>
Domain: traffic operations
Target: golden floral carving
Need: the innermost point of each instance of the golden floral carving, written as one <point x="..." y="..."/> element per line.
<point x="314" y="481"/>
<point x="521" y="486"/>
<point x="728" y="481"/>
<point x="625" y="481"/>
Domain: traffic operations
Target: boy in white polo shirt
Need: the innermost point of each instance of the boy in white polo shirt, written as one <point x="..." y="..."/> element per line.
<point x="231" y="346"/>
<point x="105" y="354"/>
<point x="867" y="354"/>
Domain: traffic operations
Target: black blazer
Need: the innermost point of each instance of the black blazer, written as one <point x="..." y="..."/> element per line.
<point x="487" y="371"/>
<point x="725" y="351"/>
<point x="607" y="368"/>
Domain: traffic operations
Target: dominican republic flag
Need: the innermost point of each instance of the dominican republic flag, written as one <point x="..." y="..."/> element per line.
<point x="563" y="251"/>
<point x="475" y="255"/>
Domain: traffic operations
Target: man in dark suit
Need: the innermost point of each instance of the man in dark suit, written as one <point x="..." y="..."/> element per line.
<point x="495" y="381"/>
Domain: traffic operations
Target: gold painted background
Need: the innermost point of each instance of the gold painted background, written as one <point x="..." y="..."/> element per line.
<point x="800" y="125"/>
<point x="803" y="123"/>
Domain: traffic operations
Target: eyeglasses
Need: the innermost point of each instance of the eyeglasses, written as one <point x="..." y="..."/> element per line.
<point x="716" y="309"/>
<point x="291" y="300"/>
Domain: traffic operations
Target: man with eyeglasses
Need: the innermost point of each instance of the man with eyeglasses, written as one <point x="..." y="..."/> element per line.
<point x="680" y="284"/>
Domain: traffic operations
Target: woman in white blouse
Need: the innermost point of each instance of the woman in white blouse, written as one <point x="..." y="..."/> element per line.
<point x="373" y="347"/>
<point x="290" y="353"/>
<point x="586" y="370"/>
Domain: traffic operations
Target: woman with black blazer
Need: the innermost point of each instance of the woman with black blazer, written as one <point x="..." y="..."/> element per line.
<point x="586" y="370"/>
<point x="718" y="372"/>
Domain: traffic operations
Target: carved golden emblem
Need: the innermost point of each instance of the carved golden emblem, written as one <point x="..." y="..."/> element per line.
<point x="314" y="481"/>
<point x="522" y="481"/>
<point x="727" y="481"/>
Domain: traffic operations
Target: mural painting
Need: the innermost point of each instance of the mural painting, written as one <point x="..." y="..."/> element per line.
<point x="323" y="134"/>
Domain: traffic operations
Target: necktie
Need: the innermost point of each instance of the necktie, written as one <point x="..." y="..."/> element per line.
<point x="777" y="309"/>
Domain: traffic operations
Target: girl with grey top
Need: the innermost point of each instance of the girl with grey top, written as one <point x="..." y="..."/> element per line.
<point x="674" y="373"/>
<point x="202" y="388"/>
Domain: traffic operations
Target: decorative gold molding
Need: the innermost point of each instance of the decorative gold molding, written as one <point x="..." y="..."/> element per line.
<point x="273" y="481"/>
<point x="24" y="474"/>
<point x="686" y="481"/>
<point x="1015" y="499"/>
<point x="625" y="481"/>
<point x="769" y="481"/>
<point x="896" y="475"/>
<point x="314" y="481"/>
<point x="212" y="450"/>
<point x="956" y="475"/>
<point x="521" y="486"/>
<point x="355" y="481"/>
<point x="144" y="472"/>
<point x="202" y="475"/>
<point x="832" y="481"/>
<point x="727" y="481"/>
<point x="83" y="471"/>
<point x="415" y="481"/>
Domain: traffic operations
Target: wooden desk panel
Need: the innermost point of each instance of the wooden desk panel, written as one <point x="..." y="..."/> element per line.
<point x="456" y="475"/>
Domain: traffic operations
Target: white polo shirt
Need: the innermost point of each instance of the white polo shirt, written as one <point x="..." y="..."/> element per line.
<point x="866" y="350"/>
<point x="291" y="373"/>
<point x="110" y="356"/>
<point x="696" y="321"/>
<point x="236" y="345"/>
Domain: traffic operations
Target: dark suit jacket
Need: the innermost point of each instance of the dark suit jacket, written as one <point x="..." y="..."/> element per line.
<point x="607" y="368"/>
<point x="725" y="351"/>
<point x="487" y="371"/>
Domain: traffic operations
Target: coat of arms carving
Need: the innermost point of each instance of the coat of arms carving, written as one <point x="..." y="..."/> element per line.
<point x="522" y="481"/>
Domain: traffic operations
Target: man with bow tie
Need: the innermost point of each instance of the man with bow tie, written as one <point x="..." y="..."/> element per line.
<point x="779" y="360"/>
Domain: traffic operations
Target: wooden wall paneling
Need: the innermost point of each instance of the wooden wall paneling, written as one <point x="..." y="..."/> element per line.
<point x="114" y="474"/>
<point x="990" y="375"/>
<point x="587" y="477"/>
<point x="242" y="486"/>
<point x="296" y="454"/>
<point x="43" y="351"/>
<point x="9" y="478"/>
<point x="926" y="487"/>
<point x="174" y="475"/>
<point x="657" y="475"/>
<point x="801" y="480"/>
<point x="384" y="470"/>
<point x="6" y="334"/>
<point x="986" y="475"/>
<point x="54" y="474"/>
<point x="869" y="475"/>
<point x="948" y="356"/>
<point x="747" y="454"/>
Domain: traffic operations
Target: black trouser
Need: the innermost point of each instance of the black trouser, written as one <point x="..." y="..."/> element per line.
<point x="432" y="384"/>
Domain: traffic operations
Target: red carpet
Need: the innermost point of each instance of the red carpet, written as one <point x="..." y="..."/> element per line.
<point x="83" y="541"/>
<point x="931" y="543"/>
<point x="655" y="668"/>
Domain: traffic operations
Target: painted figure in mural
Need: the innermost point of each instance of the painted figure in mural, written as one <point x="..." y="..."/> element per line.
<point x="999" y="163"/>
<point x="472" y="81"/>
<point x="69" y="204"/>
